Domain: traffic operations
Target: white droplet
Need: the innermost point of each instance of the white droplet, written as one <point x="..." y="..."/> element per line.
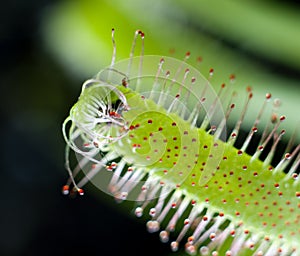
<point x="174" y="246"/>
<point x="228" y="253"/>
<point x="153" y="226"/>
<point x="191" y="250"/>
<point x="164" y="236"/>
<point x="204" y="250"/>
<point x="139" y="212"/>
<point x="124" y="195"/>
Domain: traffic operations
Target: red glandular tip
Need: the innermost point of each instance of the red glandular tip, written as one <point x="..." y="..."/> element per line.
<point x="65" y="190"/>
<point x="232" y="77"/>
<point x="282" y="118"/>
<point x="199" y="59"/>
<point x="268" y="96"/>
<point x="141" y="33"/>
<point x="80" y="191"/>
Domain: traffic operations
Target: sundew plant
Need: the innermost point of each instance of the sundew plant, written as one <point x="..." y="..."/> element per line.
<point x="152" y="129"/>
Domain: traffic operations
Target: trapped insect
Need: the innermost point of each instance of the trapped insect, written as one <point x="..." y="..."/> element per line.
<point x="152" y="129"/>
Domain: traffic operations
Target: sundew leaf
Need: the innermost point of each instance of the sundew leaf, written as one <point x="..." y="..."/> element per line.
<point x="153" y="130"/>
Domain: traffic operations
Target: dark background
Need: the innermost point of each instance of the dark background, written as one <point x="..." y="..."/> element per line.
<point x="35" y="219"/>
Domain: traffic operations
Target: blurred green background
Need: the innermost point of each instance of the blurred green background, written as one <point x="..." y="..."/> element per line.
<point x="48" y="48"/>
